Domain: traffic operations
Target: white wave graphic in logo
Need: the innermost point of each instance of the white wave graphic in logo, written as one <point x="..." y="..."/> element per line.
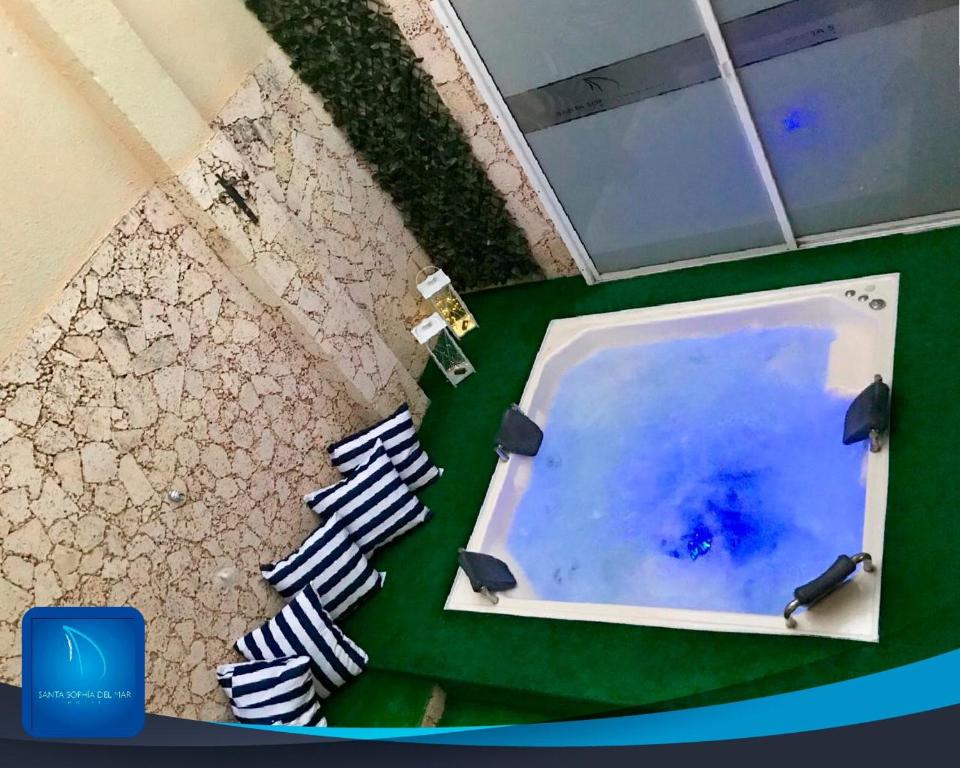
<point x="72" y="635"/>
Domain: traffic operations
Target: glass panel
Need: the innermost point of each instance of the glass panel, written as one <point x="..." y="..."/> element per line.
<point x="665" y="179"/>
<point x="622" y="104"/>
<point x="856" y="102"/>
<point x="528" y="43"/>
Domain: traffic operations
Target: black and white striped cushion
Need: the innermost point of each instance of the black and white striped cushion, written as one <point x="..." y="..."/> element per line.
<point x="278" y="692"/>
<point x="399" y="438"/>
<point x="332" y="564"/>
<point x="374" y="502"/>
<point x="303" y="628"/>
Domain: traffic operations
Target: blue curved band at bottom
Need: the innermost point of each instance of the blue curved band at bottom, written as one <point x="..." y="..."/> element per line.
<point x="919" y="687"/>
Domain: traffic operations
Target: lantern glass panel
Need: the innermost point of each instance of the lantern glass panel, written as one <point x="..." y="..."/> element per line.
<point x="447" y="354"/>
<point x="454" y="312"/>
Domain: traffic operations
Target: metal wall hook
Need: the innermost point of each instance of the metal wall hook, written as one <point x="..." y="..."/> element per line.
<point x="830" y="580"/>
<point x="237" y="198"/>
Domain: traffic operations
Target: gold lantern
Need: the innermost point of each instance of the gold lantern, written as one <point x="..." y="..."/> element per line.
<point x="438" y="290"/>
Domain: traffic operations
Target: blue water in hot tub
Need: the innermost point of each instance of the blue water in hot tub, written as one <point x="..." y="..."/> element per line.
<point x="701" y="473"/>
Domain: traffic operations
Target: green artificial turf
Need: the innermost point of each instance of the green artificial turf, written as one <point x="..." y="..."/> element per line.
<point x="381" y="699"/>
<point x="576" y="668"/>
<point x="466" y="712"/>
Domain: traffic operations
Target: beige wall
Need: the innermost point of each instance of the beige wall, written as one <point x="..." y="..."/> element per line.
<point x="207" y="46"/>
<point x="99" y="98"/>
<point x="65" y="180"/>
<point x="82" y="83"/>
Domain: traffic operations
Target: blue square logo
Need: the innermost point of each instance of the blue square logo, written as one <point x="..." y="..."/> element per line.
<point x="83" y="672"/>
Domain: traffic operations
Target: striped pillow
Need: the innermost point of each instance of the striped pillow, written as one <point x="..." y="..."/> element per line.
<point x="374" y="502"/>
<point x="329" y="562"/>
<point x="303" y="628"/>
<point x="399" y="438"/>
<point x="278" y="692"/>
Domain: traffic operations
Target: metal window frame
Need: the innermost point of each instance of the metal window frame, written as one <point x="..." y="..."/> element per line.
<point x="488" y="89"/>
<point x="728" y="74"/>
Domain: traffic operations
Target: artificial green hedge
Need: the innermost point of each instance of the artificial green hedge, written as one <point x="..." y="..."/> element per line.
<point x="352" y="54"/>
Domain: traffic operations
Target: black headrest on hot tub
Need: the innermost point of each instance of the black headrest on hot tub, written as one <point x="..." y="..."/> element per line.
<point x="518" y="434"/>
<point x="486" y="572"/>
<point x="868" y="416"/>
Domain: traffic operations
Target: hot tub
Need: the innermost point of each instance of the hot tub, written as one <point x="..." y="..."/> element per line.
<point x="692" y="472"/>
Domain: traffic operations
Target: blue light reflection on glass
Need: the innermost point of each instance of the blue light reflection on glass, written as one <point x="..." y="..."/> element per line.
<point x="793" y="121"/>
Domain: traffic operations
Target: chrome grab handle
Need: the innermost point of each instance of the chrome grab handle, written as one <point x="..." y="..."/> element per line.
<point x="833" y="578"/>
